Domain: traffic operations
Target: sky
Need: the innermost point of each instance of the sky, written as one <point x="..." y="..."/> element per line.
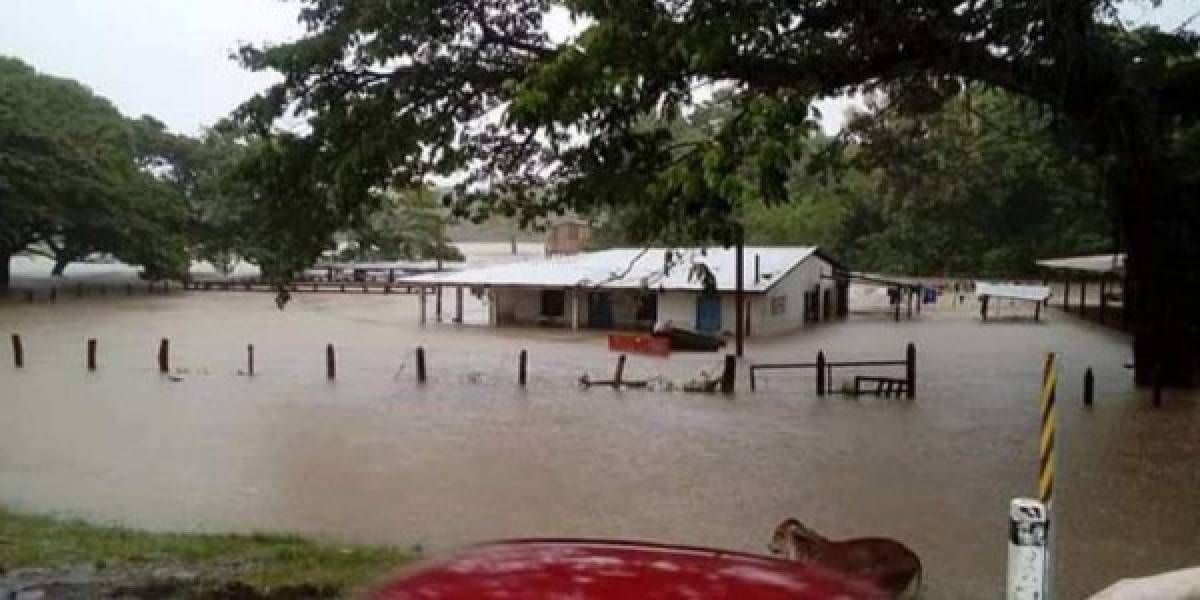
<point x="170" y="58"/>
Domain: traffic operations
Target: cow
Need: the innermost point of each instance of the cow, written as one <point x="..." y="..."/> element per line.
<point x="888" y="564"/>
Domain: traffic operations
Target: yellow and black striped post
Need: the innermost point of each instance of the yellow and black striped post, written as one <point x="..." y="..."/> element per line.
<point x="1046" y="448"/>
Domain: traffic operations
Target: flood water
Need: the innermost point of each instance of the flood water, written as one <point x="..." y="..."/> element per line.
<point x="374" y="457"/>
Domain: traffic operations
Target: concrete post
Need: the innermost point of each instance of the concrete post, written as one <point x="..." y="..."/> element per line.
<point x="574" y="309"/>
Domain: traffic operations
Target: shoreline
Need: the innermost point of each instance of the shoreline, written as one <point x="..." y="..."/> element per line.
<point x="70" y="558"/>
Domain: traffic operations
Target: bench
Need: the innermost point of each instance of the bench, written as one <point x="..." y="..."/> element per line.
<point x="884" y="386"/>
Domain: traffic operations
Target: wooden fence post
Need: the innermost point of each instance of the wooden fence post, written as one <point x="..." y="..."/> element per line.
<point x="522" y="365"/>
<point x="250" y="359"/>
<point x="330" y="363"/>
<point x="164" y="361"/>
<point x="420" y="364"/>
<point x="820" y="372"/>
<point x="910" y="370"/>
<point x="91" y="354"/>
<point x="1089" y="387"/>
<point x="729" y="376"/>
<point x="18" y="351"/>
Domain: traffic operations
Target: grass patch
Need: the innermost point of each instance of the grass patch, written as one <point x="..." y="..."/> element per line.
<point x="264" y="561"/>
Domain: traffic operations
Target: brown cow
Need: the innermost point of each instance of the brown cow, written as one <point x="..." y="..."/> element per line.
<point x="888" y="564"/>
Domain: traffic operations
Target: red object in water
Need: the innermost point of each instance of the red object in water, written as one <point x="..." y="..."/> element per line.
<point x="641" y="344"/>
<point x="608" y="570"/>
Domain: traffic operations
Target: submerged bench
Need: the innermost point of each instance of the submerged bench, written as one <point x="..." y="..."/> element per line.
<point x="884" y="386"/>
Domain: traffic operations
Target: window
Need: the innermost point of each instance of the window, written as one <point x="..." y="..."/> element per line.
<point x="778" y="305"/>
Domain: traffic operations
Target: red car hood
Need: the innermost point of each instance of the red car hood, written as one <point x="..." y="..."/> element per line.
<point x="605" y="570"/>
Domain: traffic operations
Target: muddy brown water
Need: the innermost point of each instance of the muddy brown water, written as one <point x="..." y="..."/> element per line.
<point x="376" y="458"/>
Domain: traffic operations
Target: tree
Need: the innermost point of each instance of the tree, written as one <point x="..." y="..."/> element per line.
<point x="69" y="181"/>
<point x="407" y="225"/>
<point x="395" y="95"/>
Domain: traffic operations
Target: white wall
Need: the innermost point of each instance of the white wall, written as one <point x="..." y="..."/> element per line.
<point x="792" y="287"/>
<point x="524" y="306"/>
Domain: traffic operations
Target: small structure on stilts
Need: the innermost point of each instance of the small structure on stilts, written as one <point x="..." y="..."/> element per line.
<point x="986" y="292"/>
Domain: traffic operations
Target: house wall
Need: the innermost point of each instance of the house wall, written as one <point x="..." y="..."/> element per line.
<point x="778" y="311"/>
<point x="788" y="295"/>
<point x="523" y="306"/>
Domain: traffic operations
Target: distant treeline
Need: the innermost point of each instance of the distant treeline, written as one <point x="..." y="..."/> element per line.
<point x="978" y="187"/>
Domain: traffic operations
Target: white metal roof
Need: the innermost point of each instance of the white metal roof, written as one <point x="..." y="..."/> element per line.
<point x="1034" y="293"/>
<point x="1097" y="263"/>
<point x="632" y="268"/>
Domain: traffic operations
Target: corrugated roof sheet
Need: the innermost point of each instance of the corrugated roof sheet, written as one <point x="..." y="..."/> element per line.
<point x="632" y="268"/>
<point x="1034" y="293"/>
<point x="1096" y="263"/>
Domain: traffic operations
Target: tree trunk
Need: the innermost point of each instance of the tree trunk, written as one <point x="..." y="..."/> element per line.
<point x="5" y="261"/>
<point x="60" y="265"/>
<point x="1161" y="225"/>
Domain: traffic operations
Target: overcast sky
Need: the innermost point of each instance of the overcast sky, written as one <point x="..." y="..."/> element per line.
<point x="169" y="58"/>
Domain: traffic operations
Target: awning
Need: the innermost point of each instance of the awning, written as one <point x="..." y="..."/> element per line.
<point x="1096" y="263"/>
<point x="1032" y="293"/>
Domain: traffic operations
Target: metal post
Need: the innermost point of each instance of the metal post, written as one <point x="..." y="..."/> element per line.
<point x="91" y="354"/>
<point x="983" y="306"/>
<point x="330" y="363"/>
<point x="521" y="368"/>
<point x="820" y="372"/>
<point x="910" y="370"/>
<point x="250" y="359"/>
<point x="420" y="364"/>
<point x="1067" y="294"/>
<point x="164" y="353"/>
<point x="620" y="371"/>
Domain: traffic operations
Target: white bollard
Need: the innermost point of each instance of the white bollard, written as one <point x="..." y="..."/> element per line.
<point x="1028" y="551"/>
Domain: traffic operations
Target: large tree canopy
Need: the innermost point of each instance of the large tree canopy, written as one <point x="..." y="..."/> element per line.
<point x="70" y="179"/>
<point x="398" y="91"/>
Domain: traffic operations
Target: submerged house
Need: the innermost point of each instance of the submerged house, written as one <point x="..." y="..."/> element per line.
<point x="632" y="288"/>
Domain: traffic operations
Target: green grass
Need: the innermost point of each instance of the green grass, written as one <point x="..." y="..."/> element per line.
<point x="269" y="560"/>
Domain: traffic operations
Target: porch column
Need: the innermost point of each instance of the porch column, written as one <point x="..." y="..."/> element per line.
<point x="491" y="300"/>
<point x="1083" y="297"/>
<point x="437" y="303"/>
<point x="421" y="320"/>
<point x="1103" y="300"/>
<point x="574" y="294"/>
<point x="458" y="302"/>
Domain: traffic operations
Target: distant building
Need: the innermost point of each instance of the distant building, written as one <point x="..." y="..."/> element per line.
<point x="567" y="237"/>
<point x="786" y="288"/>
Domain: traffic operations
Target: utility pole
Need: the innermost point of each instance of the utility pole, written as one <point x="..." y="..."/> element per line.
<point x="740" y="293"/>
